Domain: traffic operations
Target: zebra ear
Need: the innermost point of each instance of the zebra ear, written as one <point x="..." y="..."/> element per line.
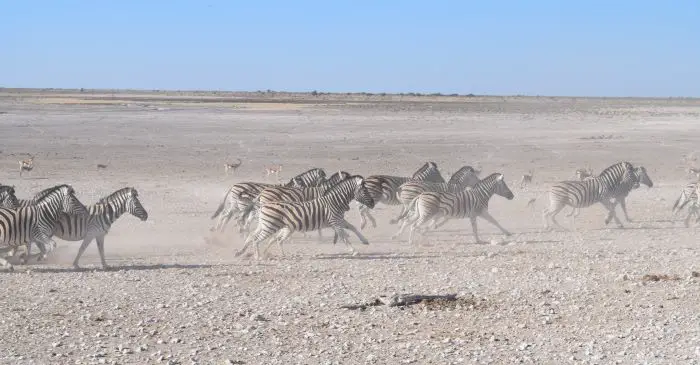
<point x="500" y="177"/>
<point x="360" y="181"/>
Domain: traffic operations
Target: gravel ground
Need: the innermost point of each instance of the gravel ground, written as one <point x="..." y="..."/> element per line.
<point x="597" y="296"/>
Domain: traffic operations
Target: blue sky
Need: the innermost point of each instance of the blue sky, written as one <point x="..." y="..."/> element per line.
<point x="580" y="48"/>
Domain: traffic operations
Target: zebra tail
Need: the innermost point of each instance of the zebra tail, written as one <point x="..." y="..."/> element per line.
<point x="406" y="210"/>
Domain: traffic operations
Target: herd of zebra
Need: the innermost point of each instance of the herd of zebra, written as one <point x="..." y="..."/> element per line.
<point x="312" y="201"/>
<point x="57" y="212"/>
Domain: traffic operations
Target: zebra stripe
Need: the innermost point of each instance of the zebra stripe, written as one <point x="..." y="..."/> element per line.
<point x="284" y="218"/>
<point x="8" y="199"/>
<point x="468" y="203"/>
<point x="35" y="223"/>
<point x="96" y="224"/>
<point x="240" y="195"/>
<point x="288" y="194"/>
<point x="463" y="178"/>
<point x="582" y="194"/>
<point x="689" y="194"/>
<point x="383" y="188"/>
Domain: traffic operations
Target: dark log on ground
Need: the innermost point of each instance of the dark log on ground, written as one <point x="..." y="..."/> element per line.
<point x="401" y="300"/>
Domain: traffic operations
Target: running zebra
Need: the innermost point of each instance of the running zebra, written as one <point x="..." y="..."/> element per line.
<point x="623" y="189"/>
<point x="468" y="203"/>
<point x="621" y="192"/>
<point x="96" y="224"/>
<point x="460" y="180"/>
<point x="288" y="194"/>
<point x="383" y="188"/>
<point x="240" y="195"/>
<point x="689" y="194"/>
<point x="35" y="223"/>
<point x="284" y="218"/>
<point x="582" y="194"/>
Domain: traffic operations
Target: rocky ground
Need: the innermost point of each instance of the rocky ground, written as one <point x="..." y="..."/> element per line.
<point x="596" y="296"/>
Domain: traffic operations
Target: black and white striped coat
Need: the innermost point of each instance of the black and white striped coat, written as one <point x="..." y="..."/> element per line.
<point x="284" y="218"/>
<point x="468" y="203"/>
<point x="96" y="224"/>
<point x="581" y="194"/>
<point x="34" y="223"/>
<point x="384" y="187"/>
<point x="460" y="180"/>
<point x="240" y="195"/>
<point x="288" y="194"/>
<point x="689" y="195"/>
<point x="8" y="199"/>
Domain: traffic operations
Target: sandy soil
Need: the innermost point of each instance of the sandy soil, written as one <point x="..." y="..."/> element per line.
<point x="536" y="297"/>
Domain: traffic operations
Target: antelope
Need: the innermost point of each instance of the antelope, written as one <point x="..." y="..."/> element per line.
<point x="526" y="179"/>
<point x="26" y="165"/>
<point x="273" y="170"/>
<point x="232" y="166"/>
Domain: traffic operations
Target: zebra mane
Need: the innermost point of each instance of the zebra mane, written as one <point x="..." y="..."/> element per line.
<point x="459" y="176"/>
<point x="421" y="169"/>
<point x="491" y="177"/>
<point x="111" y="196"/>
<point x="40" y="196"/>
<point x="342" y="183"/>
<point x="626" y="165"/>
<point x="311" y="172"/>
<point x="7" y="188"/>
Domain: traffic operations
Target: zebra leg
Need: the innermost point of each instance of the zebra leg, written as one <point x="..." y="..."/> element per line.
<point x="83" y="246"/>
<point x="551" y="212"/>
<point x="344" y="235"/>
<point x="282" y="236"/>
<point x="101" y="248"/>
<point x="408" y="220"/>
<point x="259" y="235"/>
<point x="611" y="213"/>
<point x="364" y="215"/>
<point x="345" y="224"/>
<point x="485" y="214"/>
<point x="623" y="205"/>
<point x="472" y="220"/>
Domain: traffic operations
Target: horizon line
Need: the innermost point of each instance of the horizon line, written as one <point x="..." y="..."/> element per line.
<point x="336" y="93"/>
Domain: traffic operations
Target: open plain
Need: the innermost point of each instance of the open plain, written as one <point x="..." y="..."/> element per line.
<point x="177" y="295"/>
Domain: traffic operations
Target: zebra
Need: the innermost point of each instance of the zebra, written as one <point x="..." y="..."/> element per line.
<point x="582" y="194"/>
<point x="468" y="203"/>
<point x="96" y="224"/>
<point x="8" y="199"/>
<point x="621" y="192"/>
<point x="288" y="194"/>
<point x="463" y="178"/>
<point x="689" y="194"/>
<point x="383" y="188"/>
<point x="35" y="223"/>
<point x="240" y="195"/>
<point x="284" y="218"/>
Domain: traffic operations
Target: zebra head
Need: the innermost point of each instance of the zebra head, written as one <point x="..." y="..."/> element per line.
<point x="362" y="194"/>
<point x="642" y="176"/>
<point x="501" y="188"/>
<point x="7" y="197"/>
<point x="428" y="172"/>
<point x="465" y="176"/>
<point x="134" y="207"/>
